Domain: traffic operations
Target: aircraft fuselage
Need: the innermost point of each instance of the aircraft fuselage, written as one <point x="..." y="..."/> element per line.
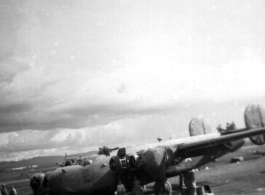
<point x="97" y="176"/>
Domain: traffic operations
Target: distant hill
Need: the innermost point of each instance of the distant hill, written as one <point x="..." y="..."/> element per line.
<point x="42" y="160"/>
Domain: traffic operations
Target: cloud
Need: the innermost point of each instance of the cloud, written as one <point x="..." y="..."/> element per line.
<point x="98" y="69"/>
<point x="12" y="61"/>
<point x="126" y="131"/>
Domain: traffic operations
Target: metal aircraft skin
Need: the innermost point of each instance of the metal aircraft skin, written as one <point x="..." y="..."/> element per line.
<point x="150" y="163"/>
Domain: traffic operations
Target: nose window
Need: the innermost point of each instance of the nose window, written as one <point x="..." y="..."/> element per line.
<point x="87" y="162"/>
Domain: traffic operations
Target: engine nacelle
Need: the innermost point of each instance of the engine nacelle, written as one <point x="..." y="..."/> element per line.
<point x="255" y="118"/>
<point x="122" y="161"/>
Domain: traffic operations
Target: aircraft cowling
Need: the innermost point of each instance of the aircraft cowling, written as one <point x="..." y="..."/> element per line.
<point x="115" y="164"/>
<point x="198" y="127"/>
<point x="122" y="161"/>
<point x="155" y="161"/>
<point x="255" y="118"/>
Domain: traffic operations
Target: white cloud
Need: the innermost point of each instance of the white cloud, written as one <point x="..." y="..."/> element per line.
<point x="86" y="72"/>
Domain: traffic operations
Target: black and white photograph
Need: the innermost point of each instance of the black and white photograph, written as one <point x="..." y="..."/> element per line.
<point x="132" y="97"/>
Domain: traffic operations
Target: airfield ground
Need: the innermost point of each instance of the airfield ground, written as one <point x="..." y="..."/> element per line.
<point x="245" y="178"/>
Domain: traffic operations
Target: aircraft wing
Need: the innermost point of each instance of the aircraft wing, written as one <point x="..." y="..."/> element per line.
<point x="174" y="157"/>
<point x="222" y="139"/>
<point x="255" y="129"/>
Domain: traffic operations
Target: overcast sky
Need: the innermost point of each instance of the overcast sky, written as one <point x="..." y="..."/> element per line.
<point x="75" y="75"/>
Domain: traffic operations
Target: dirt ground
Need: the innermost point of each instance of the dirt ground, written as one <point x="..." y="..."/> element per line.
<point x="245" y="178"/>
<point x="20" y="181"/>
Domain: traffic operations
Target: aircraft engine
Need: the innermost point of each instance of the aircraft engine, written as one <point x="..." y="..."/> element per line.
<point x="198" y="127"/>
<point x="155" y="161"/>
<point x="151" y="160"/>
<point x="115" y="164"/>
<point x="255" y="118"/>
<point x="122" y="161"/>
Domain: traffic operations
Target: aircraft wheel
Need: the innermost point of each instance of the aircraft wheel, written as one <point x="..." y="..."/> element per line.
<point x="168" y="187"/>
<point x="158" y="189"/>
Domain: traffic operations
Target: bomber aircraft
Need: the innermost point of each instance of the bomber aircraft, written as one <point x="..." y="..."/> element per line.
<point x="150" y="163"/>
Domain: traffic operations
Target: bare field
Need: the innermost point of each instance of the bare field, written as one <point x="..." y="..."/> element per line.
<point x="247" y="177"/>
<point x="21" y="183"/>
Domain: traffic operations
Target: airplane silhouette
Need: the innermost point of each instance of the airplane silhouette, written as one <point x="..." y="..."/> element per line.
<point x="152" y="162"/>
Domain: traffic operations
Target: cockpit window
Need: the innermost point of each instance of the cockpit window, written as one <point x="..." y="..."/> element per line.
<point x="87" y="162"/>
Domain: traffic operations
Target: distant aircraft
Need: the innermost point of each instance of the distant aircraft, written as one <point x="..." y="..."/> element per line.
<point x="152" y="162"/>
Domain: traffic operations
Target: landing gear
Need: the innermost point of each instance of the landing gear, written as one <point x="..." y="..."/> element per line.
<point x="168" y="188"/>
<point x="188" y="185"/>
<point x="161" y="188"/>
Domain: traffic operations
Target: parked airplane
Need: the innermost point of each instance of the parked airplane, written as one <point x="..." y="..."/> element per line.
<point x="151" y="162"/>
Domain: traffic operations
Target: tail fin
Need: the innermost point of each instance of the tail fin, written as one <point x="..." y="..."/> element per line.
<point x="198" y="127"/>
<point x="255" y="118"/>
